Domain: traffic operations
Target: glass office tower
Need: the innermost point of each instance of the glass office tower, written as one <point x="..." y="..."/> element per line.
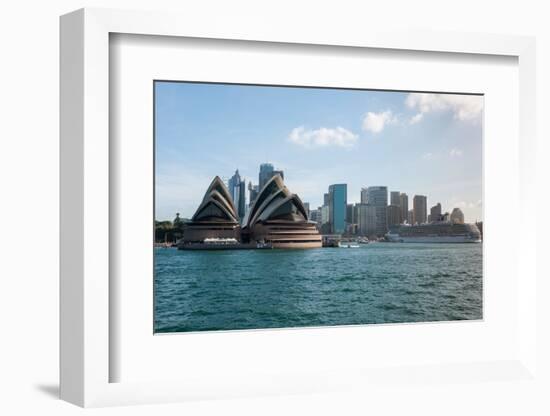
<point x="338" y="200"/>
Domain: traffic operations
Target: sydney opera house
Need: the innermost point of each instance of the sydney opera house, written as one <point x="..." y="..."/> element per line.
<point x="276" y="219"/>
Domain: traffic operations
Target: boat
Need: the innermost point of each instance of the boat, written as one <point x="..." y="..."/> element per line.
<point x="348" y="244"/>
<point x="435" y="232"/>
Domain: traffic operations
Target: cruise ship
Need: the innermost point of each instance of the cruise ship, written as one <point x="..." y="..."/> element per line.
<point x="436" y="232"/>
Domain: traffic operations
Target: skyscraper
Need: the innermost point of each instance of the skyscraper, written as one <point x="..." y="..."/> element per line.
<point x="315" y="216"/>
<point x="367" y="220"/>
<point x="435" y="213"/>
<point x="252" y="193"/>
<point x="420" y="209"/>
<point x="410" y="216"/>
<point x="377" y="196"/>
<point x="364" y="197"/>
<point x="237" y="189"/>
<point x="394" y="215"/>
<point x="338" y="199"/>
<point x="325" y="215"/>
<point x="404" y="207"/>
<point x="266" y="172"/>
<point x="395" y="198"/>
<point x="325" y="220"/>
<point x="349" y="214"/>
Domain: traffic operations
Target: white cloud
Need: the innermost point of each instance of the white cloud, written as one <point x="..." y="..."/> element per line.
<point x="416" y="118"/>
<point x="375" y="122"/>
<point x="455" y="152"/>
<point x="463" y="107"/>
<point x="322" y="137"/>
<point x="427" y="156"/>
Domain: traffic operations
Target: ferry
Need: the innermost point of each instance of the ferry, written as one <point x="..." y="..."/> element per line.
<point x="435" y="232"/>
<point x="348" y="244"/>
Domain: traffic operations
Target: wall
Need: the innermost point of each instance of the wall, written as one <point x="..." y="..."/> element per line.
<point x="29" y="208"/>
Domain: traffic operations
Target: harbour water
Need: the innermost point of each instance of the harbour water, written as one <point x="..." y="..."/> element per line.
<point x="376" y="283"/>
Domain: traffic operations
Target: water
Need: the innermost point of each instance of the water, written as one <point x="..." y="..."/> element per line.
<point x="377" y="283"/>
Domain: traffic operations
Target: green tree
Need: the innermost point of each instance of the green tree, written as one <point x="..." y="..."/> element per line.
<point x="178" y="226"/>
<point x="164" y="231"/>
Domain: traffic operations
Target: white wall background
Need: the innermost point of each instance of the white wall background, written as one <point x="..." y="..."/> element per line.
<point x="29" y="201"/>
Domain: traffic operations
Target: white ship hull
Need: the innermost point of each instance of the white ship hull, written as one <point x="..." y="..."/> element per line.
<point x="432" y="239"/>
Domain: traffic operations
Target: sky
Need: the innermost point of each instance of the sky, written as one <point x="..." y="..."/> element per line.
<point x="416" y="143"/>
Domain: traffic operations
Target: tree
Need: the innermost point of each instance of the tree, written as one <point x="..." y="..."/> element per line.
<point x="178" y="226"/>
<point x="164" y="231"/>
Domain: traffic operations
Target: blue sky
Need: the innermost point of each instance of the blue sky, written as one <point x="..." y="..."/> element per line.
<point x="426" y="144"/>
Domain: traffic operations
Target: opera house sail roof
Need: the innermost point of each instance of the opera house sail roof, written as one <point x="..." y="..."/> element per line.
<point x="217" y="204"/>
<point x="277" y="217"/>
<point x="280" y="218"/>
<point x="216" y="216"/>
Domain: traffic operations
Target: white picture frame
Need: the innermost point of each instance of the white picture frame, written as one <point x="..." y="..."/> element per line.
<point x="85" y="353"/>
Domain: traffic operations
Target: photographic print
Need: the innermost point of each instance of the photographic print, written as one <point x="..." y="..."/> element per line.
<point x="289" y="207"/>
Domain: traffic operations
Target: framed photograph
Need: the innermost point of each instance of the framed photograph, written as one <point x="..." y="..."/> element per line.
<point x="244" y="243"/>
<point x="267" y="214"/>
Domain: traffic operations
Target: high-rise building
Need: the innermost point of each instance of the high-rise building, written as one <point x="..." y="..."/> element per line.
<point x="410" y="216"/>
<point x="367" y="220"/>
<point x="325" y="211"/>
<point x="364" y="197"/>
<point x="377" y="196"/>
<point x="395" y="198"/>
<point x="252" y="193"/>
<point x="355" y="213"/>
<point x="267" y="171"/>
<point x="457" y="216"/>
<point x="325" y="219"/>
<point x="352" y="218"/>
<point x="404" y="204"/>
<point x="315" y="215"/>
<point x="349" y="214"/>
<point x="381" y="220"/>
<point x="435" y="213"/>
<point x="420" y="209"/>
<point x="338" y="199"/>
<point x="237" y="190"/>
<point x="394" y="215"/>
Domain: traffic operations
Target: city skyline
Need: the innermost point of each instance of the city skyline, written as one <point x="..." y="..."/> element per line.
<point x="378" y="138"/>
<point x="434" y="212"/>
